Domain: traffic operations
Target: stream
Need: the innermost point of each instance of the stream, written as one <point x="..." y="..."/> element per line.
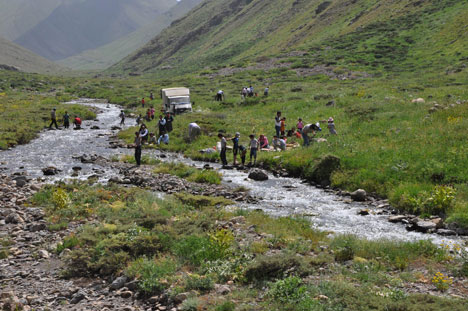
<point x="278" y="196"/>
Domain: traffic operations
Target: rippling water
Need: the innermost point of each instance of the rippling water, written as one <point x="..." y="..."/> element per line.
<point x="280" y="196"/>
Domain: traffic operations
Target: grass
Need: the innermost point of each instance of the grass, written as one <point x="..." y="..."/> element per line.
<point x="188" y="172"/>
<point x="170" y="246"/>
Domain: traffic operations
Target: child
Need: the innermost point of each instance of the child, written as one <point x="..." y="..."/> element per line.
<point x="253" y="148"/>
<point x="263" y="140"/>
<point x="291" y="132"/>
<point x="299" y="125"/>
<point x="152" y="139"/>
<point x="235" y="148"/>
<point x="283" y="126"/>
<point x="243" y="153"/>
<point x="331" y="126"/>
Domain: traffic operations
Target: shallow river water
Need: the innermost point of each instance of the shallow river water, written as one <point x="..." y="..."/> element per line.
<point x="279" y="196"/>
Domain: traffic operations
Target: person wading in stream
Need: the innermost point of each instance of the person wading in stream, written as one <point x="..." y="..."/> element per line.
<point x="53" y="118"/>
<point x="137" y="144"/>
<point x="222" y="154"/>
<point x="66" y="120"/>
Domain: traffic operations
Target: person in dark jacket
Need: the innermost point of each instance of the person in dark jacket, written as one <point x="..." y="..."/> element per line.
<point x="169" y="119"/>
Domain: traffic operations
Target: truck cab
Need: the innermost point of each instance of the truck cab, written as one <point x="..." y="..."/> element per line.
<point x="176" y="100"/>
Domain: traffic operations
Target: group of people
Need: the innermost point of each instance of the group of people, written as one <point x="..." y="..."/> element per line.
<point x="66" y="120"/>
<point x="279" y="139"/>
<point x="144" y="136"/>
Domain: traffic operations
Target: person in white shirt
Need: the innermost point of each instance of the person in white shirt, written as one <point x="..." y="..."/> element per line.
<point x="254" y="145"/>
<point x="279" y="143"/>
<point x="222" y="154"/>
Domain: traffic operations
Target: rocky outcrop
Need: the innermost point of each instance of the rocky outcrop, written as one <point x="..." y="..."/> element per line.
<point x="258" y="175"/>
<point x="323" y="170"/>
<point x="359" y="195"/>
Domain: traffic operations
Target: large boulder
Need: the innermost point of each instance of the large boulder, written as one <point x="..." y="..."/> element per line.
<point x="323" y="170"/>
<point x="359" y="195"/>
<point x="21" y="180"/>
<point x="258" y="175"/>
<point x="49" y="171"/>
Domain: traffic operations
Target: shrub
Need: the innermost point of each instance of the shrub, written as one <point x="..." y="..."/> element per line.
<point x="190" y="304"/>
<point x="150" y="273"/>
<point x="69" y="242"/>
<point x="226" y="306"/>
<point x="197" y="249"/>
<point x="199" y="283"/>
<point x="276" y="266"/>
<point x="288" y="290"/>
<point x="60" y="199"/>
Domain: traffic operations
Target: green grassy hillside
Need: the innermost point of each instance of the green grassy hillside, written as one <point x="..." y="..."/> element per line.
<point x="364" y="35"/>
<point x="109" y="54"/>
<point x="24" y="60"/>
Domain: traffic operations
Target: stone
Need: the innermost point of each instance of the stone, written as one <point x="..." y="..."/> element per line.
<point x="43" y="254"/>
<point x="153" y="300"/>
<point x="77" y="297"/>
<point x="323" y="170"/>
<point x="359" y="195"/>
<point x="50" y="171"/>
<point x="14" y="218"/>
<point x="38" y="227"/>
<point x="223" y="290"/>
<point x="179" y="298"/>
<point x="126" y="294"/>
<point x="446" y="232"/>
<point x="363" y="212"/>
<point x="418" y="101"/>
<point x="258" y="175"/>
<point x="21" y="181"/>
<point x="95" y="127"/>
<point x="118" y="282"/>
<point x="439" y="222"/>
<point x="77" y="168"/>
<point x="424" y="226"/>
<point x="397" y="218"/>
<point x="238" y="220"/>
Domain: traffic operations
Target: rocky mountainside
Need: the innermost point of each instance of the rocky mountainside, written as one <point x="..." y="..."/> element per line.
<point x="16" y="58"/>
<point x="74" y="26"/>
<point x="106" y="55"/>
<point x="368" y="35"/>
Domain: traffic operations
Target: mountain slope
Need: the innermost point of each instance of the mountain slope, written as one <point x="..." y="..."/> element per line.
<point x="19" y="16"/>
<point x="79" y="25"/>
<point x="111" y="53"/>
<point x="362" y="34"/>
<point x="22" y="59"/>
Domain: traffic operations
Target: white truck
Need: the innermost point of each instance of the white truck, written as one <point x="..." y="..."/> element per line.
<point x="176" y="100"/>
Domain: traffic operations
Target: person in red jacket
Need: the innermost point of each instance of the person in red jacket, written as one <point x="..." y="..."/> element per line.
<point x="77" y="122"/>
<point x="143" y="102"/>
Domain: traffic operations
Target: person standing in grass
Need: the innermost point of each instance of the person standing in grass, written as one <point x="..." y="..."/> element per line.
<point x="137" y="143"/>
<point x="161" y="125"/>
<point x="309" y="129"/>
<point x="331" y="126"/>
<point x="235" y="147"/>
<point x="222" y="154"/>
<point x="143" y="102"/>
<point x="265" y="92"/>
<point x="169" y="119"/>
<point x="299" y="125"/>
<point x="253" y="148"/>
<point x="53" y="118"/>
<point x="143" y="133"/>
<point x="152" y="112"/>
<point x="278" y="123"/>
<point x="283" y="126"/>
<point x="66" y="120"/>
<point x="151" y="96"/>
